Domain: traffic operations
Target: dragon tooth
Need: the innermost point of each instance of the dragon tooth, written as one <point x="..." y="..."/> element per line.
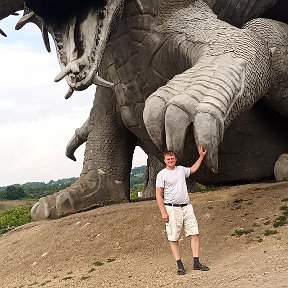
<point x="24" y="20"/>
<point x="63" y="73"/>
<point x="101" y="82"/>
<point x="139" y="6"/>
<point x="105" y="14"/>
<point x="45" y="37"/>
<point x="3" y="33"/>
<point x="101" y="15"/>
<point x="69" y="93"/>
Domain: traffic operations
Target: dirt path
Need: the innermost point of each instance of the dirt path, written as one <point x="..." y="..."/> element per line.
<point x="125" y="245"/>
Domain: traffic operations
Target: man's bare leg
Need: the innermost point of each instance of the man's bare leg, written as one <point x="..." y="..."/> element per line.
<point x="176" y="253"/>
<point x="195" y="246"/>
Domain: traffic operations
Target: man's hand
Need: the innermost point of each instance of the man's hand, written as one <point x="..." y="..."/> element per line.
<point x="165" y="217"/>
<point x="201" y="152"/>
<point x="197" y="164"/>
<point x="160" y="202"/>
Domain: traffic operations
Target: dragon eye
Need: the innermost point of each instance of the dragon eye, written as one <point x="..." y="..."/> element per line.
<point x="60" y="9"/>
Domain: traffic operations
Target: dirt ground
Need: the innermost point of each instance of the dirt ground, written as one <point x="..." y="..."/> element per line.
<point x="125" y="245"/>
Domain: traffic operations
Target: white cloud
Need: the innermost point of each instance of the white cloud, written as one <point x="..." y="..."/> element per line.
<point x="6" y="104"/>
<point x="35" y="150"/>
<point x="139" y="157"/>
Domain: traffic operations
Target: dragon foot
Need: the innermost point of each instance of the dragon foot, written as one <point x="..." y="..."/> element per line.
<point x="91" y="190"/>
<point x="201" y="97"/>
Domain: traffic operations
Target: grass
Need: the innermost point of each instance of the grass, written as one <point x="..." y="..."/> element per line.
<point x="98" y="263"/>
<point x="238" y="201"/>
<point x="270" y="232"/>
<point x="7" y="204"/>
<point x="14" y="217"/>
<point x="236" y="208"/>
<point x="280" y="221"/>
<point x="200" y="187"/>
<point x="283" y="219"/>
<point x="284" y="208"/>
<point x="242" y="231"/>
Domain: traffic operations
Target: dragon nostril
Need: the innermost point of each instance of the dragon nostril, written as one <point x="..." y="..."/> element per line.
<point x="72" y="78"/>
<point x="75" y="68"/>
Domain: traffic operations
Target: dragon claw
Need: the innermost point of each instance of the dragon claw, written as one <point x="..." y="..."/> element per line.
<point x="64" y="202"/>
<point x="207" y="132"/>
<point x="176" y="123"/>
<point x="154" y="112"/>
<point x="173" y="118"/>
<point x="45" y="208"/>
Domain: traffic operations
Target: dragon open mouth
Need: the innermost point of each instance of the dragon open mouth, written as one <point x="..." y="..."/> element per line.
<point x="80" y="31"/>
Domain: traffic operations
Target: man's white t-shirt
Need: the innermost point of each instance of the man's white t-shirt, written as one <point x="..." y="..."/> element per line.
<point x="174" y="184"/>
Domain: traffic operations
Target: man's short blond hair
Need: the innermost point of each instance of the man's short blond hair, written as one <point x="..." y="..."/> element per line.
<point x="169" y="153"/>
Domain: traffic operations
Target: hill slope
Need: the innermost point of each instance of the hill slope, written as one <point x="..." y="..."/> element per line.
<point x="125" y="245"/>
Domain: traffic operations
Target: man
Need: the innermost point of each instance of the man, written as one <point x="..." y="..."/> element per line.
<point x="173" y="202"/>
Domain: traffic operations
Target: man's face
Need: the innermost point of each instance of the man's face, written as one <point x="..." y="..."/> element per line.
<point x="170" y="160"/>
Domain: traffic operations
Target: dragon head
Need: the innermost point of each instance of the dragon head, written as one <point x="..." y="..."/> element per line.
<point x="80" y="30"/>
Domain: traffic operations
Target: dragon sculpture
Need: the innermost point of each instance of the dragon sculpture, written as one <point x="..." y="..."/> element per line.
<point x="169" y="74"/>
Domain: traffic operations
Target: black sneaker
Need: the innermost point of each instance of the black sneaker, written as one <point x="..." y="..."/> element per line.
<point x="201" y="267"/>
<point x="181" y="271"/>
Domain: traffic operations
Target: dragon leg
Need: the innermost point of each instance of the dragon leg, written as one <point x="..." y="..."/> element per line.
<point x="106" y="168"/>
<point x="205" y="99"/>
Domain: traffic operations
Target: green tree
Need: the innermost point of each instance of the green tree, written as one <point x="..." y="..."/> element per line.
<point x="134" y="191"/>
<point x="137" y="176"/>
<point x="2" y="194"/>
<point x="14" y="192"/>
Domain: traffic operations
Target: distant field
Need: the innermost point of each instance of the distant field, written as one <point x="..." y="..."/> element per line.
<point x="6" y="204"/>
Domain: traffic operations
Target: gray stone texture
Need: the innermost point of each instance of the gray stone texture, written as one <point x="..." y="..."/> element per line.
<point x="281" y="168"/>
<point x="170" y="74"/>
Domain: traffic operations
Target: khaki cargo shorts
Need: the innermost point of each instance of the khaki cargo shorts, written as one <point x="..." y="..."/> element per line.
<point x="181" y="217"/>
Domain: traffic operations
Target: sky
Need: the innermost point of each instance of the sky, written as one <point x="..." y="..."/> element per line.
<point x="36" y="122"/>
